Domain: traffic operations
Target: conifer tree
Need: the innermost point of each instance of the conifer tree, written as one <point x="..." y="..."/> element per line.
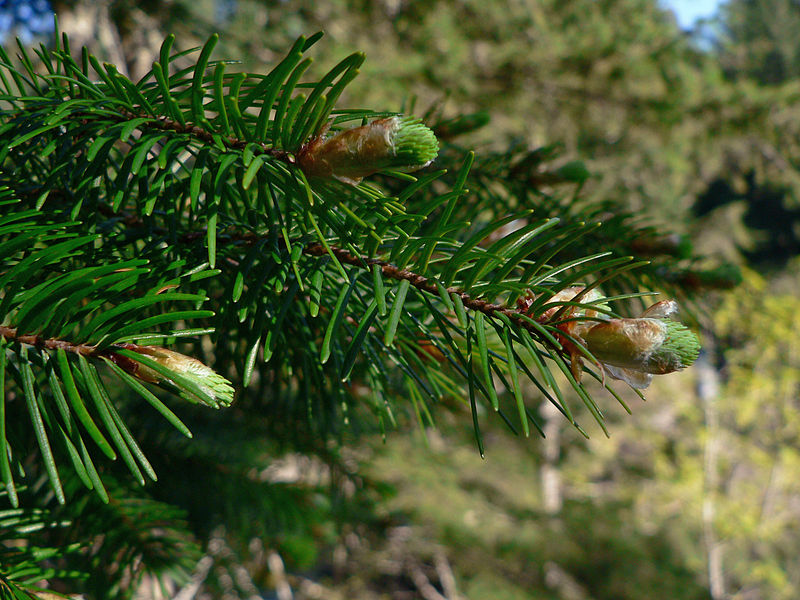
<point x="235" y="258"/>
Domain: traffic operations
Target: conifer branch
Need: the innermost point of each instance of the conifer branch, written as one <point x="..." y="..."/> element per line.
<point x="163" y="123"/>
<point x="11" y="334"/>
<point x="128" y="357"/>
<point x="231" y="142"/>
<point x="422" y="283"/>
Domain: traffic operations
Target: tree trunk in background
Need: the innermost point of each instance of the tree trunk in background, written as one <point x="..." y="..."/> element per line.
<point x="708" y="392"/>
<point x="551" y="477"/>
<point x="130" y="39"/>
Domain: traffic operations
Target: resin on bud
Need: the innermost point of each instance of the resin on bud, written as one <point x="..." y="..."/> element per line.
<point x="401" y="143"/>
<point x="208" y="380"/>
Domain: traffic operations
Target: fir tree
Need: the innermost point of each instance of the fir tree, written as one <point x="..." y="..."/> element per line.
<point x="243" y="242"/>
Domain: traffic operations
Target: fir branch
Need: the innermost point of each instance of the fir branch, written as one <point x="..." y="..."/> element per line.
<point x="163" y="123"/>
<point x="11" y="334"/>
<point x="146" y="363"/>
<point x="420" y="282"/>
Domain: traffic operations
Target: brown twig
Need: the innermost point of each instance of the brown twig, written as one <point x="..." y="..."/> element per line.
<point x="389" y="270"/>
<point x="316" y="249"/>
<point x="420" y="282"/>
<point x="162" y="123"/>
<point x="131" y="366"/>
<point x="10" y="333"/>
<point x="232" y="142"/>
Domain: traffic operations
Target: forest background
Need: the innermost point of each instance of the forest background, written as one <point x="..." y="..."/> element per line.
<point x="694" y="495"/>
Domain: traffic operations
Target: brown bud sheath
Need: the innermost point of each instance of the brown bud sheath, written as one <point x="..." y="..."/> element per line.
<point x="401" y="143"/>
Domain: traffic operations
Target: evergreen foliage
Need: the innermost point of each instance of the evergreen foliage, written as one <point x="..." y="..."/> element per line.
<point x="175" y="211"/>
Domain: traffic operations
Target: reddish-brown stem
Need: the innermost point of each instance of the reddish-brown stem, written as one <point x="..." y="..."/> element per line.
<point x="418" y="281"/>
<point x="131" y="366"/>
<point x="389" y="270"/>
<point x="10" y="333"/>
<point x="234" y="143"/>
<point x="165" y="124"/>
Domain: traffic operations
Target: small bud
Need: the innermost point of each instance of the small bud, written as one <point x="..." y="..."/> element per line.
<point x="577" y="319"/>
<point x="723" y="277"/>
<point x="207" y="379"/>
<point x="575" y="293"/>
<point x="672" y="244"/>
<point x="574" y="171"/>
<point x="401" y="143"/>
<point x="447" y="130"/>
<point x="427" y="350"/>
<point x="646" y="344"/>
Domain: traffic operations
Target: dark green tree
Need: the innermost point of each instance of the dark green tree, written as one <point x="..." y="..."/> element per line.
<point x="758" y="40"/>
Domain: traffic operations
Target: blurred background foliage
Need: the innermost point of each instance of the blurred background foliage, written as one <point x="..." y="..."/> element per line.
<point x="695" y="495"/>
